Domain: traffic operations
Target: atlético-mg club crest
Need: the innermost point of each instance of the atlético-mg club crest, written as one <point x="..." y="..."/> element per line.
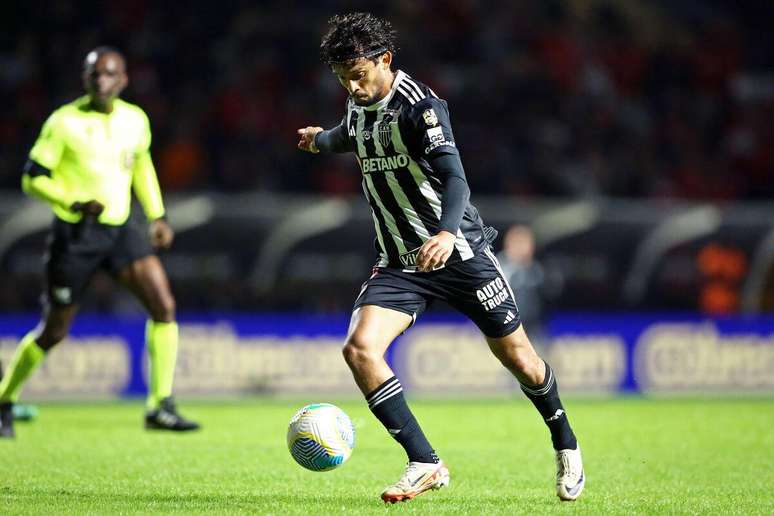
<point x="385" y="127"/>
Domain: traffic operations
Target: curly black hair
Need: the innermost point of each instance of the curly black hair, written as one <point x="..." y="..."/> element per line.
<point x="355" y="35"/>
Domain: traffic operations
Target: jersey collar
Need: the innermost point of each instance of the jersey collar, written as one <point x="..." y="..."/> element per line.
<point x="399" y="75"/>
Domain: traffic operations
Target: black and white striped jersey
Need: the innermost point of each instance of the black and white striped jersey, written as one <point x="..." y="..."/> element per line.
<point x="394" y="141"/>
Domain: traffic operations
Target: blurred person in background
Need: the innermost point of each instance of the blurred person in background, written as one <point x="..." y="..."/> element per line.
<point x="528" y="278"/>
<point x="432" y="245"/>
<point x="90" y="155"/>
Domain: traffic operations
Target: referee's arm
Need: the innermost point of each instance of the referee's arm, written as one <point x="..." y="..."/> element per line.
<point x="37" y="182"/>
<point x="45" y="155"/>
<point x="146" y="186"/>
<point x="145" y="183"/>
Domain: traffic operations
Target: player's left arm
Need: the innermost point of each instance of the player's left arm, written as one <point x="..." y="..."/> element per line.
<point x="432" y="128"/>
<point x="145" y="184"/>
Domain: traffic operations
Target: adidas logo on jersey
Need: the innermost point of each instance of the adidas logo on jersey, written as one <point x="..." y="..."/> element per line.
<point x="509" y="317"/>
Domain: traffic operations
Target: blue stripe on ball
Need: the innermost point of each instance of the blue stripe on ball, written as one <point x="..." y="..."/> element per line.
<point x="311" y="455"/>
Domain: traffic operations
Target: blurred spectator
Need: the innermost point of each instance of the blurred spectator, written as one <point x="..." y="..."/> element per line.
<point x="527" y="277"/>
<point x="629" y="98"/>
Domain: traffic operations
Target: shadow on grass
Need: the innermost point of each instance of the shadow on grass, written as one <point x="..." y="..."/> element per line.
<point x="58" y="500"/>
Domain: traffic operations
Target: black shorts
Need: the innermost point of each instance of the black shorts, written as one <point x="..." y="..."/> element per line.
<point x="475" y="287"/>
<point x="77" y="251"/>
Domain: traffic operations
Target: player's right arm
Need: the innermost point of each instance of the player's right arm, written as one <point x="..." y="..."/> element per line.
<point x="315" y="139"/>
<point x="37" y="178"/>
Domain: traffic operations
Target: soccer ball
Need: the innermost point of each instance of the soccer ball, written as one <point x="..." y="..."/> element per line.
<point x="321" y="437"/>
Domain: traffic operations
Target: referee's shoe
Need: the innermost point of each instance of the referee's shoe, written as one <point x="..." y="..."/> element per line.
<point x="166" y="417"/>
<point x="6" y="416"/>
<point x="6" y="420"/>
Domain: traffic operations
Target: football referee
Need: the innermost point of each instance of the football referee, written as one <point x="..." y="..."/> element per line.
<point x="90" y="155"/>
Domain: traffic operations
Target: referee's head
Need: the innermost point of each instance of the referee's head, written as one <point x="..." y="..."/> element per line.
<point x="104" y="75"/>
<point x="359" y="48"/>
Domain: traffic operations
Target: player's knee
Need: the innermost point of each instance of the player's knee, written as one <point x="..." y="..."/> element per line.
<point x="358" y="349"/>
<point x="515" y="358"/>
<point x="51" y="336"/>
<point x="164" y="308"/>
<point x="520" y="363"/>
<point x="525" y="363"/>
<point x="351" y="352"/>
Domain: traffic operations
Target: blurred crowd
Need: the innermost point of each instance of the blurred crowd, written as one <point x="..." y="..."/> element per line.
<point x="571" y="98"/>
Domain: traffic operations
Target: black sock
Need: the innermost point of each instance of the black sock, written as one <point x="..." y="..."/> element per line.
<point x="390" y="408"/>
<point x="545" y="397"/>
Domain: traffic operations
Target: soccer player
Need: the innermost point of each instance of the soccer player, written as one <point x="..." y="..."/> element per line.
<point x="90" y="155"/>
<point x="432" y="245"/>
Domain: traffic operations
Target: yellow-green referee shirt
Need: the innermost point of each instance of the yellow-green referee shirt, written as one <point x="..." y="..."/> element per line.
<point x="96" y="156"/>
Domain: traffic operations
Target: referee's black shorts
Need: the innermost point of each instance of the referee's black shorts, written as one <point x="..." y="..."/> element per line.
<point x="475" y="287"/>
<point x="77" y="251"/>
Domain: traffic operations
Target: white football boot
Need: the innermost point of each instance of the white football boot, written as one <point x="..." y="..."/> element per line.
<point x="570" y="478"/>
<point x="418" y="478"/>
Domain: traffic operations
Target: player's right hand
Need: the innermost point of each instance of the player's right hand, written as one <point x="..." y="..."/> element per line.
<point x="89" y="208"/>
<point x="306" y="139"/>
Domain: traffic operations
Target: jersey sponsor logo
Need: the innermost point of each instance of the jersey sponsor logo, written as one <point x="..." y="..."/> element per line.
<point x="435" y="145"/>
<point x="437" y="139"/>
<point x="435" y="135"/>
<point x="492" y="294"/>
<point x="430" y="117"/>
<point x="384" y="164"/>
<point x="409" y="261"/>
<point x="409" y="258"/>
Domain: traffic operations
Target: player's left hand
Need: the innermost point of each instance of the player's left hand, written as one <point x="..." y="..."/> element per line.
<point x="435" y="251"/>
<point x="161" y="234"/>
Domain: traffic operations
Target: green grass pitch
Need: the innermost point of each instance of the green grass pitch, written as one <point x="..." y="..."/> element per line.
<point x="642" y="457"/>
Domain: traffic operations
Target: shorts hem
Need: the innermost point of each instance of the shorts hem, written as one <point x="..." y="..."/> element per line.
<point x="385" y="305"/>
<point x="413" y="315"/>
<point x="505" y="333"/>
<point x="116" y="270"/>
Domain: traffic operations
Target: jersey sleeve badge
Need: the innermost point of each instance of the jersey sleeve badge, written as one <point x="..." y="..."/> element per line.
<point x="430" y="117"/>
